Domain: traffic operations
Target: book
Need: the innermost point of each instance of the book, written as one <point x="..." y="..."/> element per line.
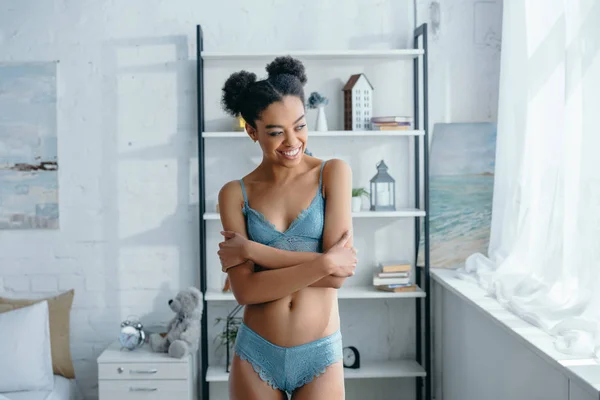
<point x="397" y="289"/>
<point x="391" y="128"/>
<point x="393" y="274"/>
<point x="390" y="281"/>
<point x="391" y="123"/>
<point x="391" y="119"/>
<point x="395" y="266"/>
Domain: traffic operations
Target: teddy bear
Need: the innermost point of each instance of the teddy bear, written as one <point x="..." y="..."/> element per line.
<point x="183" y="331"/>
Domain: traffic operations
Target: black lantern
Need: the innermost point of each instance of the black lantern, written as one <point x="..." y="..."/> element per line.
<point x="383" y="190"/>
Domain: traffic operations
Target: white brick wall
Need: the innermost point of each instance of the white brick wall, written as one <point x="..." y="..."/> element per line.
<point x="126" y="137"/>
<point x="44" y="283"/>
<point x="72" y="281"/>
<point x="17" y="283"/>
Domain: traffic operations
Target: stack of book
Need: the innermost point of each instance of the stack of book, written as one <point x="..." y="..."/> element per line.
<point x="391" y="123"/>
<point x="394" y="276"/>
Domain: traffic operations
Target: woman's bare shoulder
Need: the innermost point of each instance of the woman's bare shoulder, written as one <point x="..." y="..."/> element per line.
<point x="231" y="192"/>
<point x="337" y="176"/>
<point x="336" y="169"/>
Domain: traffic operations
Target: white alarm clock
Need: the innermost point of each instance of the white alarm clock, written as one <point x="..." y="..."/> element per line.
<point x="132" y="335"/>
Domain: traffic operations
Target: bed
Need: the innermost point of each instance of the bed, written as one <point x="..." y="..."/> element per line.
<point x="64" y="389"/>
<point x="36" y="362"/>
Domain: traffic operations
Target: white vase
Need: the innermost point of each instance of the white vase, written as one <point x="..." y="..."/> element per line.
<point x="321" y="120"/>
<point x="356" y="204"/>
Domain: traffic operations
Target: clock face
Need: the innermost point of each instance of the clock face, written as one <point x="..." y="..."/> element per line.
<point x="349" y="357"/>
<point x="129" y="337"/>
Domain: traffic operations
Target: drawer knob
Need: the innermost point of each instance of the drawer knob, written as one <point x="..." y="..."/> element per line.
<point x="120" y="370"/>
<point x="142" y="389"/>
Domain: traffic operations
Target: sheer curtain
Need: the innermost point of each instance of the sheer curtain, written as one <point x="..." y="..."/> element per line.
<point x="543" y="259"/>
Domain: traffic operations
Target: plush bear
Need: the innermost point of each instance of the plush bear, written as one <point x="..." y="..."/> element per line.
<point x="183" y="332"/>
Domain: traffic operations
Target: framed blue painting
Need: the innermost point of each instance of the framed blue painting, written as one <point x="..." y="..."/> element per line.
<point x="461" y="188"/>
<point x="28" y="146"/>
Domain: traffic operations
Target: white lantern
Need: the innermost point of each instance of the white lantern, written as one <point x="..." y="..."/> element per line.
<point x="383" y="190"/>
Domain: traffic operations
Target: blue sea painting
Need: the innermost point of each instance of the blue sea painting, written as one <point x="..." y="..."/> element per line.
<point x="461" y="187"/>
<point x="28" y="146"/>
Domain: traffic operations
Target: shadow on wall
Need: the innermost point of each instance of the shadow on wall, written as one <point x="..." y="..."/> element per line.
<point x="149" y="226"/>
<point x="155" y="155"/>
<point x="160" y="312"/>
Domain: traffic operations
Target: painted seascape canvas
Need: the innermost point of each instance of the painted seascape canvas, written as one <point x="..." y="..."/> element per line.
<point x="461" y="188"/>
<point x="28" y="146"/>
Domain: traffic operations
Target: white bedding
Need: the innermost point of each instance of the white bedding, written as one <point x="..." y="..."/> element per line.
<point x="64" y="389"/>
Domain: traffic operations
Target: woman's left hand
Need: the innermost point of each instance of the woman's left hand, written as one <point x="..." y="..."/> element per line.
<point x="233" y="251"/>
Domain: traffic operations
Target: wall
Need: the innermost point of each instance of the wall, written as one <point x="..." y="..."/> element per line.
<point x="127" y="159"/>
<point x="464" y="58"/>
<point x="482" y="361"/>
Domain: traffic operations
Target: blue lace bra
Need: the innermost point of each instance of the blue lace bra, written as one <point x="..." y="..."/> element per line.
<point x="305" y="233"/>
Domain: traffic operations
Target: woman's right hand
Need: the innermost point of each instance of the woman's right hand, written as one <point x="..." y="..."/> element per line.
<point x="341" y="259"/>
<point x="233" y="251"/>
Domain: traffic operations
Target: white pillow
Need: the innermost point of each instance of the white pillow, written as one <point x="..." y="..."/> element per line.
<point x="25" y="358"/>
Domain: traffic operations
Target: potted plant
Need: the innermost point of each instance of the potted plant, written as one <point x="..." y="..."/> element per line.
<point x="228" y="334"/>
<point x="318" y="101"/>
<point x="357" y="195"/>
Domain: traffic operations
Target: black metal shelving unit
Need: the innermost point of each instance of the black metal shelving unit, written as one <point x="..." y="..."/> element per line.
<point x="203" y="384"/>
<point x="422" y="275"/>
<point x="421" y="170"/>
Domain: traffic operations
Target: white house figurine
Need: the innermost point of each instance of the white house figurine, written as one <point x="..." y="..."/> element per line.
<point x="358" y="103"/>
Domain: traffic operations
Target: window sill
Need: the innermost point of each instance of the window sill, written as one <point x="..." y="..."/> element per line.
<point x="586" y="372"/>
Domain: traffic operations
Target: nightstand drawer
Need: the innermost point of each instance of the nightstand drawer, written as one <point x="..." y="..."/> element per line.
<point x="135" y="371"/>
<point x="144" y="390"/>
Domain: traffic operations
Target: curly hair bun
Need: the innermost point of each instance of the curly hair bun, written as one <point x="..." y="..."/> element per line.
<point x="287" y="65"/>
<point x="233" y="90"/>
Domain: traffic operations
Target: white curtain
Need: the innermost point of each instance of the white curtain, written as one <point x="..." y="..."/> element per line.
<point x="544" y="254"/>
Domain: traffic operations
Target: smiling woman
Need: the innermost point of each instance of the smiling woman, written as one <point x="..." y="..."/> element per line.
<point x="283" y="253"/>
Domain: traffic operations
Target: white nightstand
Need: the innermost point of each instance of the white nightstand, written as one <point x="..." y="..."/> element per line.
<point x="142" y="374"/>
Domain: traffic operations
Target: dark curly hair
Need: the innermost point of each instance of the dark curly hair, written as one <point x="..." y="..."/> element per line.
<point x="244" y="95"/>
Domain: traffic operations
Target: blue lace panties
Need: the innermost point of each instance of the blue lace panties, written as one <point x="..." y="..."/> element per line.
<point x="287" y="368"/>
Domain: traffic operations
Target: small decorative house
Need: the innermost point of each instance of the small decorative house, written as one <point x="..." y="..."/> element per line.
<point x="358" y="103"/>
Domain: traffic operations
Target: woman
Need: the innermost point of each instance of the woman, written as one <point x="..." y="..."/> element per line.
<point x="297" y="254"/>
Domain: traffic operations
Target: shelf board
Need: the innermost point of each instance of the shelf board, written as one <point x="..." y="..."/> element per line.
<point x="395" y="54"/>
<point x="409" y="212"/>
<point x="386" y="369"/>
<point x="238" y="134"/>
<point x="350" y="292"/>
<point x="370" y="292"/>
<point x="368" y="369"/>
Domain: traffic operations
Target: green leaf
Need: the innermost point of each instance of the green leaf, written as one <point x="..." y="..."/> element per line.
<point x="357" y="192"/>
